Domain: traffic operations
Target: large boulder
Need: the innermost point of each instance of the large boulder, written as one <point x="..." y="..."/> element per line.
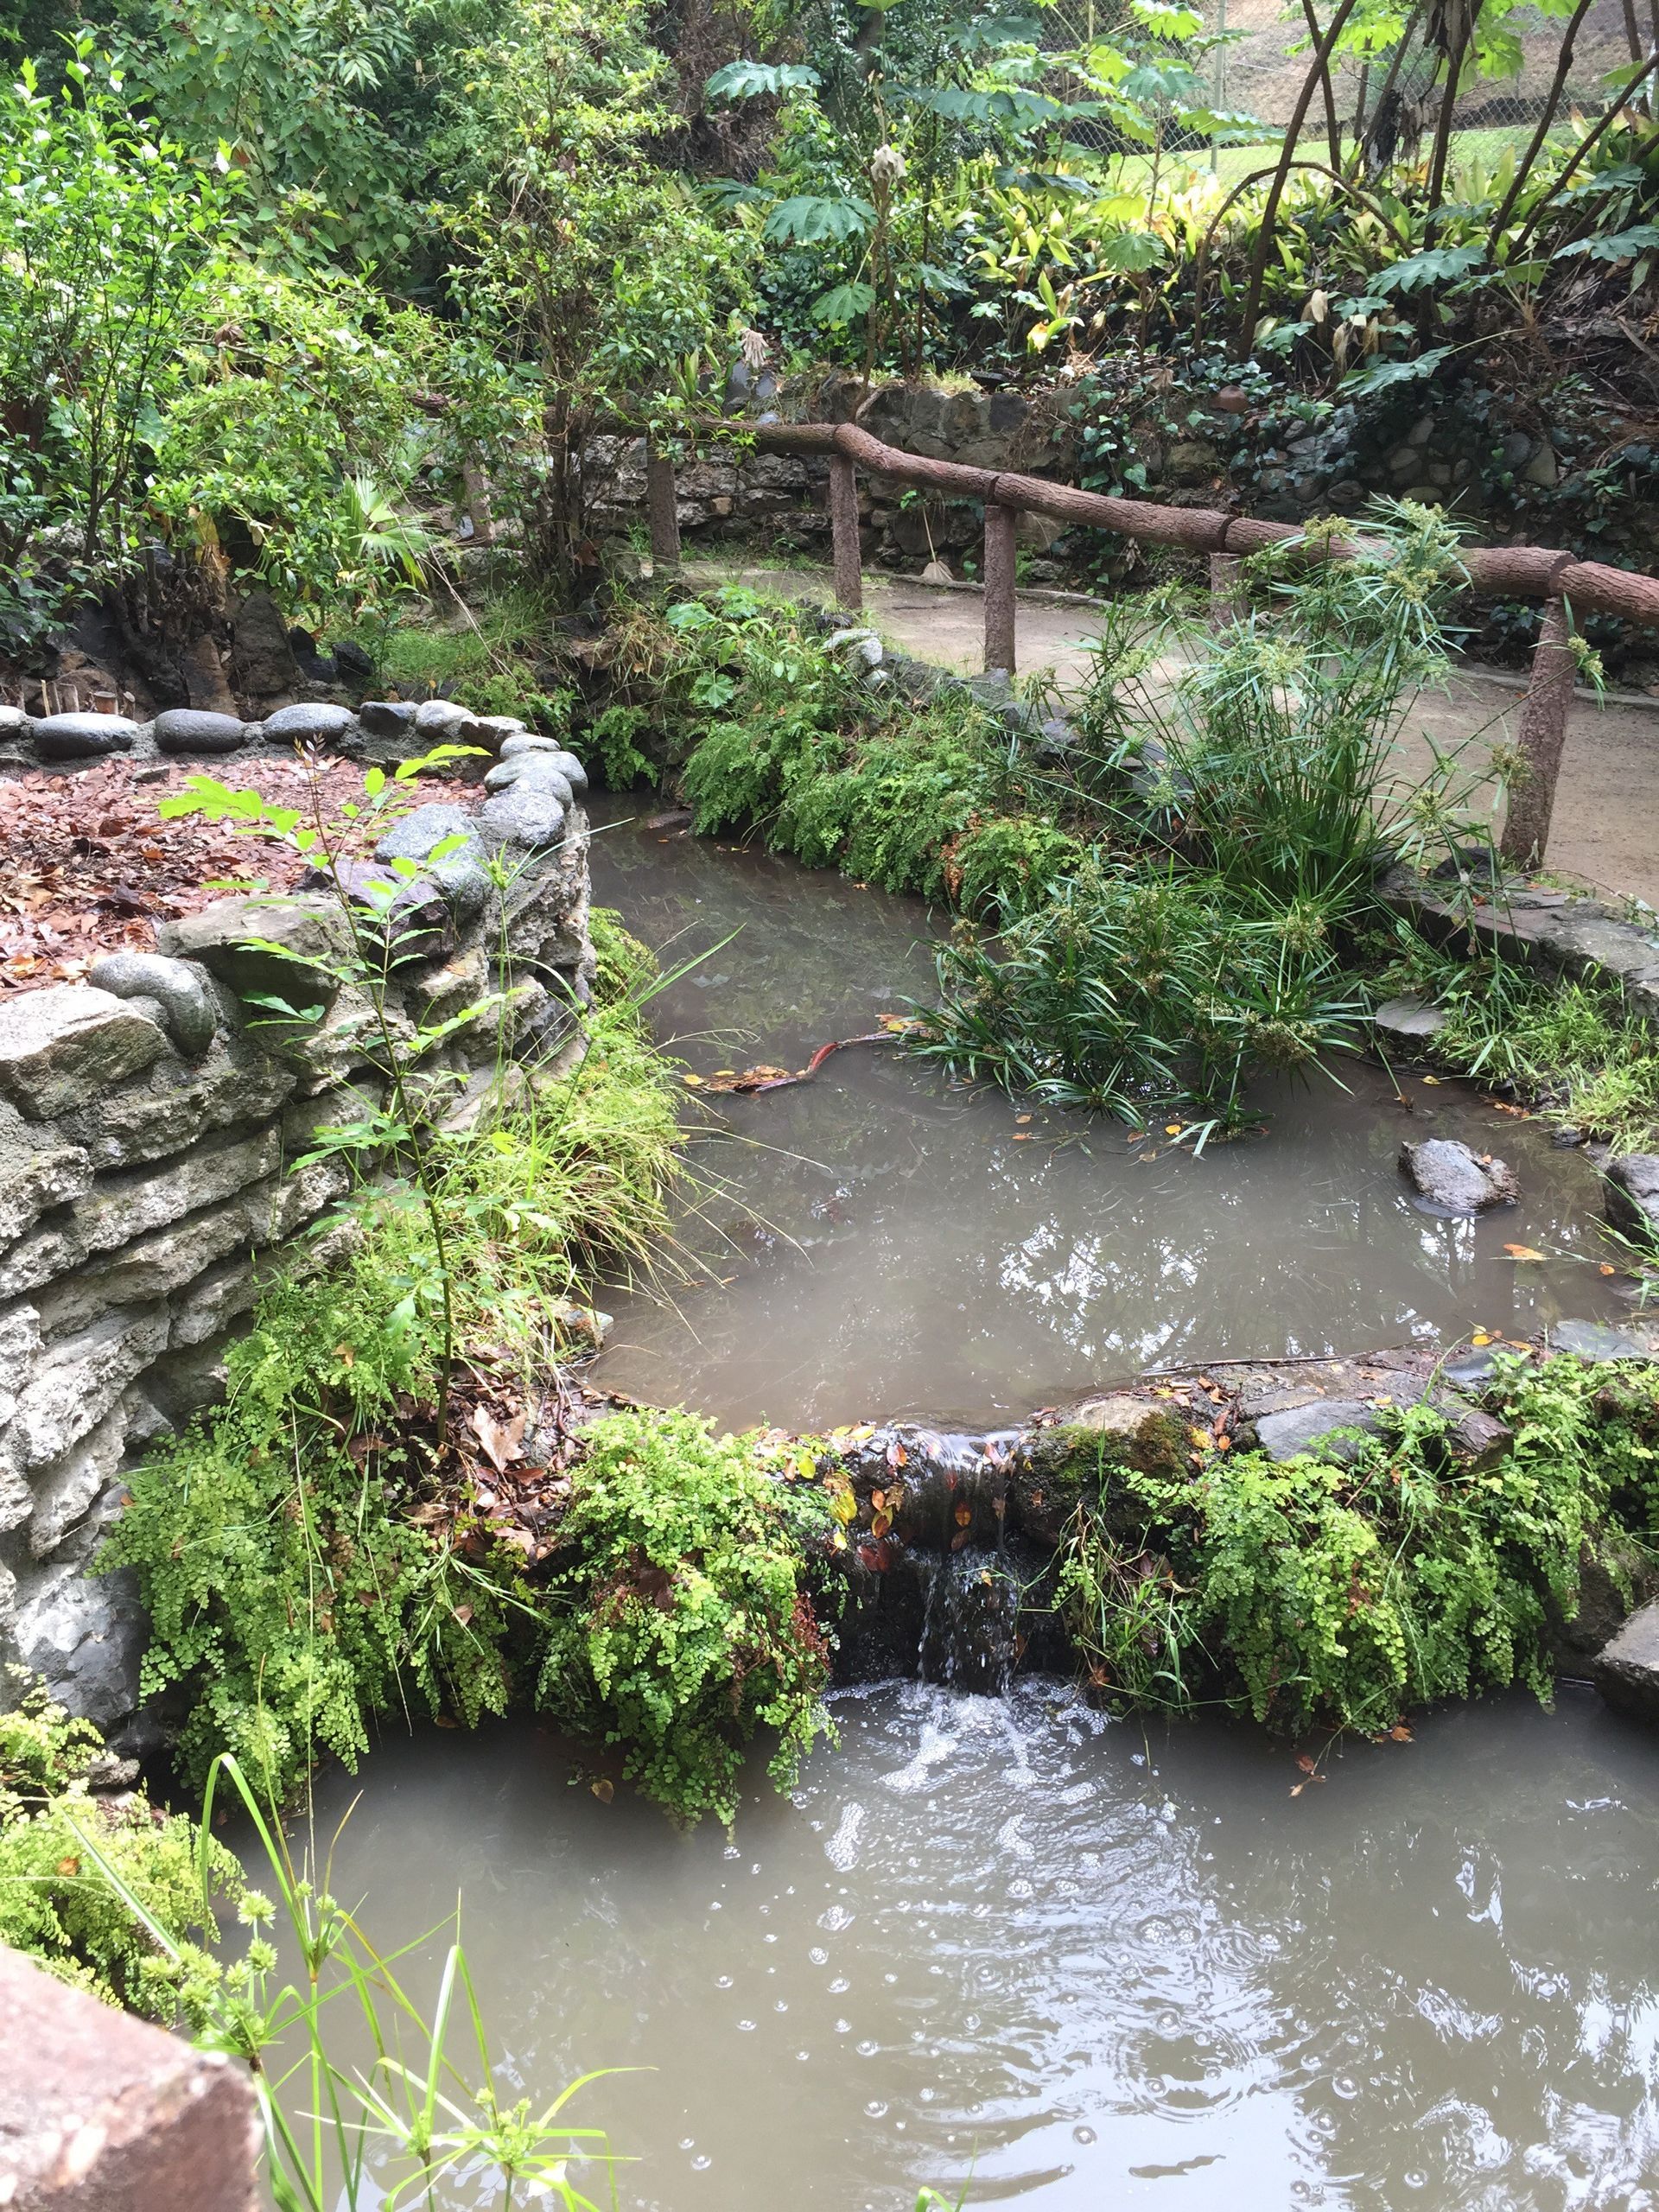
<point x="1452" y="1179"/>
<point x="263" y="665"/>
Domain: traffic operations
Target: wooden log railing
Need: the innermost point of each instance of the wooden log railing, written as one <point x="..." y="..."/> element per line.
<point x="1567" y="586"/>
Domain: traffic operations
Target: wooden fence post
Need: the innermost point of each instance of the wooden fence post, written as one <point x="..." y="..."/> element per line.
<point x="843" y="531"/>
<point x="1001" y="522"/>
<point x="1542" y="735"/>
<point x="663" y="506"/>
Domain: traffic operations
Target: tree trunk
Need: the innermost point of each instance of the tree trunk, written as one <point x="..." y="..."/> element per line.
<point x="1246" y="337"/>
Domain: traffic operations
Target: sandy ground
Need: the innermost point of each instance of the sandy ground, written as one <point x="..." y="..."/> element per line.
<point x="1606" y="827"/>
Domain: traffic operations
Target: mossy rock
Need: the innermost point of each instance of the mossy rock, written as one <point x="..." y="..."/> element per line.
<point x="1071" y="1465"/>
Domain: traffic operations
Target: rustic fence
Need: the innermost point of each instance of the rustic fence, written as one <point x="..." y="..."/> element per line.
<point x="1566" y="586"/>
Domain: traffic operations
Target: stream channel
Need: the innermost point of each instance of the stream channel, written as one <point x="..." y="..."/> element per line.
<point x="1010" y="1943"/>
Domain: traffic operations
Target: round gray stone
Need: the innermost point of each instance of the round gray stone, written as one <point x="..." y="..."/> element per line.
<point x="180" y="989"/>
<point x="190" y="729"/>
<point x="463" y="874"/>
<point x="523" y="816"/>
<point x="536" y="771"/>
<point x="83" y="737"/>
<point x="526" y="740"/>
<point x="313" y="720"/>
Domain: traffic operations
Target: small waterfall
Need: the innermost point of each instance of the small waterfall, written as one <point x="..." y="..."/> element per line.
<point x="970" y="1634"/>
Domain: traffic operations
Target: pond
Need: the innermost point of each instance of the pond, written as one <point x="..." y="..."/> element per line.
<point x="1011" y="1945"/>
<point x="1083" y="1962"/>
<point x="883" y="1243"/>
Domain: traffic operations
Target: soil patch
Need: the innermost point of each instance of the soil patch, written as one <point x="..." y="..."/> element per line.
<point x="91" y="868"/>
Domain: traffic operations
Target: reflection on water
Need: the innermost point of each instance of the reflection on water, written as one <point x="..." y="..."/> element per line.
<point x="1089" y="1964"/>
<point x="890" y="1245"/>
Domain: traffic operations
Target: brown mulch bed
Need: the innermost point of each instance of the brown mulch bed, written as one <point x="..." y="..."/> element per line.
<point x="90" y="868"/>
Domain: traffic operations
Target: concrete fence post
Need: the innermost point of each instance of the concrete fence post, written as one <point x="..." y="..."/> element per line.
<point x="843" y="531"/>
<point x="1541" y="738"/>
<point x="663" y="506"/>
<point x="1001" y="522"/>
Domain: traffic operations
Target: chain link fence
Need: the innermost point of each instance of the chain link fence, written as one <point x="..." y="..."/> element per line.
<point x="1259" y="68"/>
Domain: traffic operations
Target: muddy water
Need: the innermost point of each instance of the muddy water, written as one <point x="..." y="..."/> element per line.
<point x="881" y="1241"/>
<point x="1087" y="1966"/>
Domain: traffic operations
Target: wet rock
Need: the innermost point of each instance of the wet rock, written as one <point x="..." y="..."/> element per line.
<point x="525" y="746"/>
<point x="312" y="722"/>
<point x="1626" y="1670"/>
<point x="1590" y="1340"/>
<point x="387" y="717"/>
<point x="230" y="939"/>
<point x="262" y="660"/>
<point x="85" y="1634"/>
<point x="409" y="914"/>
<point x="180" y="989"/>
<point x="1632" y="1195"/>
<point x="1058" y="1469"/>
<point x="65" y="1044"/>
<point x="83" y="737"/>
<point x="498" y="730"/>
<point x="523" y="816"/>
<point x="1408" y="1021"/>
<point x="1334" y="1430"/>
<point x="537" y="772"/>
<point x="1455" y="1180"/>
<point x="1615" y="1576"/>
<point x="439" y="721"/>
<point x="15" y="725"/>
<point x="462" y="874"/>
<point x="188" y="729"/>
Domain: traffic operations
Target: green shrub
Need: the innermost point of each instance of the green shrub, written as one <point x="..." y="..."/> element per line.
<point x="55" y="1903"/>
<point x="298" y="1571"/>
<point x="1342" y="1594"/>
<point x="682" y="1623"/>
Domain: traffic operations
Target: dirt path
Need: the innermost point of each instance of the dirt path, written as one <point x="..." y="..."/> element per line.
<point x="1606" y="825"/>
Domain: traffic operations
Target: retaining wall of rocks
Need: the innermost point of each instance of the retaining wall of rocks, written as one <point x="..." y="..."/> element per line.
<point x="149" y="1116"/>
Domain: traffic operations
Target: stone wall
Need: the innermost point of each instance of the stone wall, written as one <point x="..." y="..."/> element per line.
<point x="150" y="1115"/>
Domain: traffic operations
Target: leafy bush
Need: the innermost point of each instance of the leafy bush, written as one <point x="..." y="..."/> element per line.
<point x="682" y="1623"/>
<point x="1343" y="1593"/>
<point x="55" y="1903"/>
